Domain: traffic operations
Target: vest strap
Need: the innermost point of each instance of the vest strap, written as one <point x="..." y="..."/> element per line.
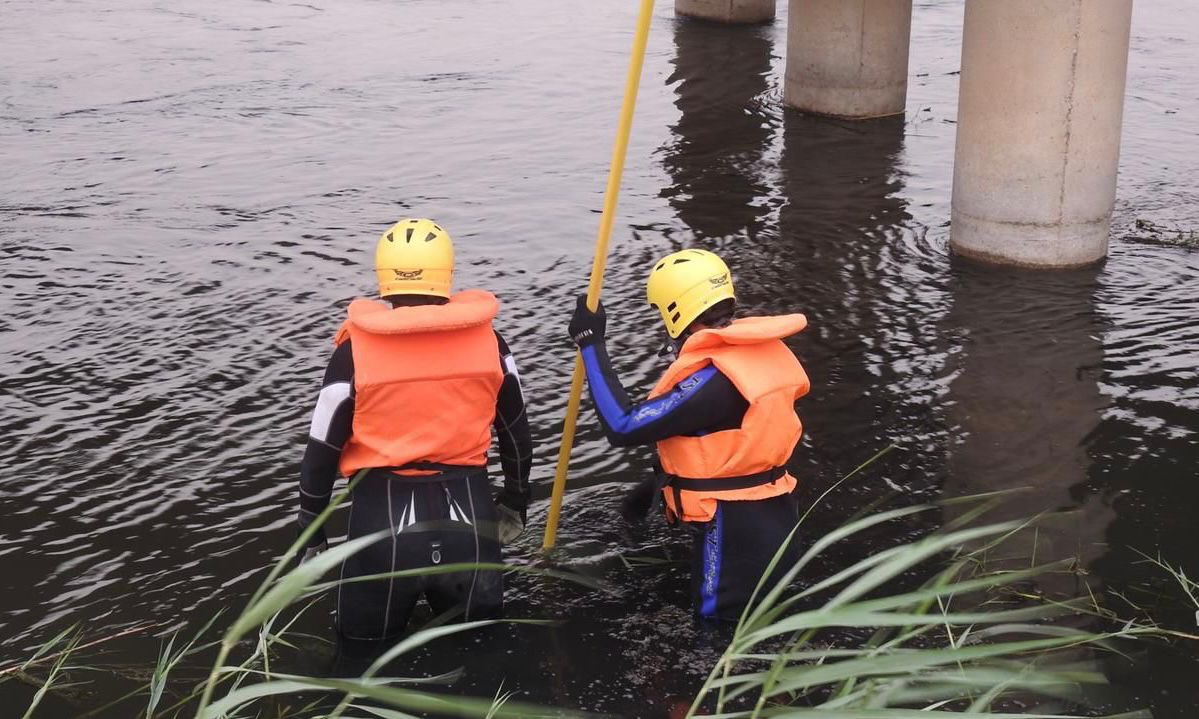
<point x="724" y="484"/>
<point x="678" y="485"/>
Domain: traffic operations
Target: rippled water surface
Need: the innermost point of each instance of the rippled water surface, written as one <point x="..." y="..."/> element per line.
<point x="190" y="191"/>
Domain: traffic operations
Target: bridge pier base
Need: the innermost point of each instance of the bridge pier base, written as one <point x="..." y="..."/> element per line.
<point x="728" y="11"/>
<point x="1040" y="109"/>
<point x="848" y="58"/>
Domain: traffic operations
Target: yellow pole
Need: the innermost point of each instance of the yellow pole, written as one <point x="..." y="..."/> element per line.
<point x="619" y="150"/>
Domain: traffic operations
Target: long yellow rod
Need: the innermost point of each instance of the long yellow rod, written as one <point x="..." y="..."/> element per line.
<point x="611" y="194"/>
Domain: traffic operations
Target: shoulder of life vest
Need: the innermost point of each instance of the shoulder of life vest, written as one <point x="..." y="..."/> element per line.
<point x="717" y="346"/>
<point x="747" y="331"/>
<point x="469" y="308"/>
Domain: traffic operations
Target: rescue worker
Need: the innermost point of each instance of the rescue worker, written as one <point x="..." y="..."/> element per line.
<point x="413" y="389"/>
<point x="723" y="419"/>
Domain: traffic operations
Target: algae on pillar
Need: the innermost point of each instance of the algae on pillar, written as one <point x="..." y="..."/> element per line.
<point x="848" y="58"/>
<point x="1038" y="137"/>
<point x="728" y="11"/>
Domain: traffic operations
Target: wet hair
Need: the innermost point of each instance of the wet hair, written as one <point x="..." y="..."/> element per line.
<point x="716" y="316"/>
<point x="415" y="300"/>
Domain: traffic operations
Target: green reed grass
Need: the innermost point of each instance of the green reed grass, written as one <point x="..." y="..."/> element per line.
<point x="967" y="640"/>
<point x="962" y="642"/>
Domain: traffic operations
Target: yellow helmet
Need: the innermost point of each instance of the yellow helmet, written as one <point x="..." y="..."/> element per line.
<point x="415" y="257"/>
<point x="685" y="284"/>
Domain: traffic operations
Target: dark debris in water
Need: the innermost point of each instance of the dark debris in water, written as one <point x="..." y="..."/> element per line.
<point x="1149" y="232"/>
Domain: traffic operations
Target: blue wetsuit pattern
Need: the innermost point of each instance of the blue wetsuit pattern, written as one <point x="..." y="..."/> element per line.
<point x="702" y="403"/>
<point x="729" y="553"/>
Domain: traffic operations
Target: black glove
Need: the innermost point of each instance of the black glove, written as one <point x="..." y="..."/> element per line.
<point x="318" y="538"/>
<point x="518" y="502"/>
<point x="636" y="504"/>
<point x="311" y="552"/>
<point x="512" y="511"/>
<point x="587" y="327"/>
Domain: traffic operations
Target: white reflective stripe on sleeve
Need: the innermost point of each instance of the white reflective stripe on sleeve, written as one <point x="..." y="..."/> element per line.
<point x="510" y="369"/>
<point x="327" y="403"/>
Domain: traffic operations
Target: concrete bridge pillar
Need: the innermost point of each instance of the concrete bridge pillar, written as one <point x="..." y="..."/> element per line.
<point x="1038" y="137"/>
<point x="848" y="58"/>
<point x="729" y="11"/>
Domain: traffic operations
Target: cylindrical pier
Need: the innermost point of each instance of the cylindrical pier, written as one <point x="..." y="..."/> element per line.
<point x="848" y="58"/>
<point x="1038" y="143"/>
<point x="739" y="12"/>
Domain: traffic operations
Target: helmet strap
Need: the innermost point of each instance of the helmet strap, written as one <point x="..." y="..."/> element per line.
<point x="670" y="348"/>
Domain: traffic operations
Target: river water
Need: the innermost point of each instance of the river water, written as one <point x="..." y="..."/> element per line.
<point x="189" y="197"/>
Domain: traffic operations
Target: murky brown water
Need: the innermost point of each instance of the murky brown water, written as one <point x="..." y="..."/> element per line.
<point x="190" y="193"/>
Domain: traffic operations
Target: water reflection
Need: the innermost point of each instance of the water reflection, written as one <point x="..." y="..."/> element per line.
<point x="1143" y="457"/>
<point x="1023" y="402"/>
<point x="841" y="258"/>
<point x="716" y="157"/>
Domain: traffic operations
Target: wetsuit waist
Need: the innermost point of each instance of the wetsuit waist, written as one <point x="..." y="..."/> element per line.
<point x="432" y="472"/>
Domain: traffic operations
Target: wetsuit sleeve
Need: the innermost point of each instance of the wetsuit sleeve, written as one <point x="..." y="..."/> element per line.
<point x="332" y="422"/>
<point x="706" y="401"/>
<point x="512" y="431"/>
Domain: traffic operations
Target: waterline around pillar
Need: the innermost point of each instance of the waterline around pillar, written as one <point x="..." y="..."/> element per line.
<point x="848" y="58"/>
<point x="727" y="11"/>
<point x="1040" y="109"/>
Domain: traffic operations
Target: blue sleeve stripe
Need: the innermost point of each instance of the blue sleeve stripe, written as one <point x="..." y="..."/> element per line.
<point x="641" y="415"/>
<point x="710" y="579"/>
<point x="605" y="401"/>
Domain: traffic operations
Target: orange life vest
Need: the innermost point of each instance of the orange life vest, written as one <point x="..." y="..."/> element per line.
<point x="749" y="462"/>
<point x="425" y="382"/>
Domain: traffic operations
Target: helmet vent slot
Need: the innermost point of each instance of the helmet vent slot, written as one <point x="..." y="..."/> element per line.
<point x="680" y="261"/>
<point x="675" y="317"/>
<point x="430" y="237"/>
<point x="672" y="306"/>
<point x="408" y="234"/>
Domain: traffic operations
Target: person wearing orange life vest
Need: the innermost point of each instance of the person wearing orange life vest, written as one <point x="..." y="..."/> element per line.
<point x="411" y="394"/>
<point x="723" y="419"/>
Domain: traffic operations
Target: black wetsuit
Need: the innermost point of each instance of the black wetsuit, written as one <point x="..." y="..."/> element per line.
<point x="446" y="520"/>
<point x="732" y="550"/>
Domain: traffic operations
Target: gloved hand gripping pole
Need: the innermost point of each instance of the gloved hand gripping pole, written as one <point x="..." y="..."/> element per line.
<point x="611" y="194"/>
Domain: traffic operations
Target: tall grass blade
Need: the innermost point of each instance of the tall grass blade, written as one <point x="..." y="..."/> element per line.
<point x="501" y="698"/>
<point x="820" y="713"/>
<point x="377" y="689"/>
<point x="159" y="678"/>
<point x="292" y="585"/>
<point x="385" y="713"/>
<point x="54" y="672"/>
<point x="754" y="613"/>
<point x="243" y="624"/>
<point x="420" y="639"/>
